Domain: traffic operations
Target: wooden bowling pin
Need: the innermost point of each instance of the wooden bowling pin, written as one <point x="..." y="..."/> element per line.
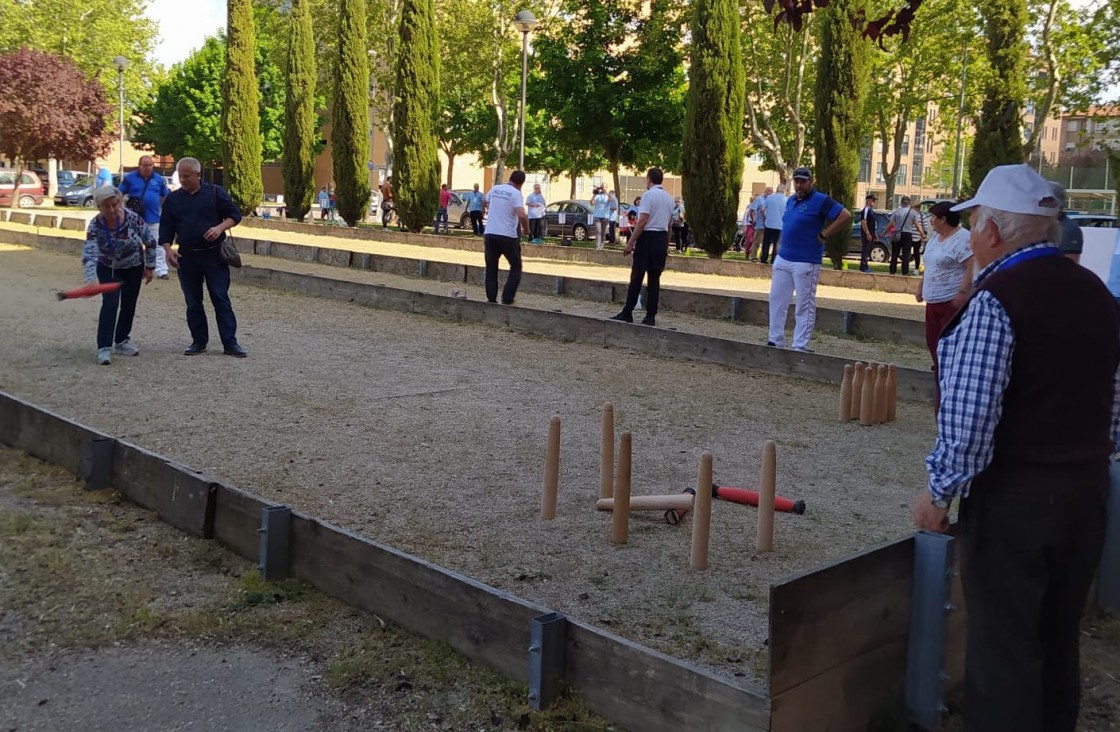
<point x="620" y="521"/>
<point x="768" y="488"/>
<point x="606" y="453"/>
<point x="881" y="404"/>
<point x="867" y="399"/>
<point x="846" y="394"/>
<point x="857" y="390"/>
<point x="551" y="470"/>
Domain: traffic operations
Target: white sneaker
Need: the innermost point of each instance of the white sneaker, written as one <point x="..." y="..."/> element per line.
<point x="103" y="357"/>
<point x="125" y="348"/>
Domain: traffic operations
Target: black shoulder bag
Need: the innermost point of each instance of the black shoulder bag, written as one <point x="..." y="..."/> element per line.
<point x="136" y="204"/>
<point x="228" y="253"/>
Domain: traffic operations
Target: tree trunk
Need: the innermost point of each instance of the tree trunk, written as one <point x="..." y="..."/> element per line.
<point x="450" y="167"/>
<point x="572" y="192"/>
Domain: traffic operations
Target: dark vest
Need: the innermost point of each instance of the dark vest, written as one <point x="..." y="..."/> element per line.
<point x="1057" y="409"/>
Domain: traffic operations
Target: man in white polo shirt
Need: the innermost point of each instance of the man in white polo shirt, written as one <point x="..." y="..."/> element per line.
<point x="650" y="245"/>
<point x="506" y="210"/>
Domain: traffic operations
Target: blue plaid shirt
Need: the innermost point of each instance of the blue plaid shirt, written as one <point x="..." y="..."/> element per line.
<point x="975" y="369"/>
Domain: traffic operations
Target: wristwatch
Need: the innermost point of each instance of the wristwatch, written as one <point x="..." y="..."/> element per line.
<point x="941" y="504"/>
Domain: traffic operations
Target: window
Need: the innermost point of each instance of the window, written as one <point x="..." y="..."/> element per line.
<point x="1054" y="133"/>
<point x="1071" y="126"/>
<point x="906" y="144"/>
<point x="879" y="173"/>
<point x="901" y="177"/>
<point x="1071" y="146"/>
<point x="864" y="170"/>
<point x="916" y="178"/>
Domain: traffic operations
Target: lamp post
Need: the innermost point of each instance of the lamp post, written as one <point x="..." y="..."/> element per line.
<point x="121" y="63"/>
<point x="525" y="22"/>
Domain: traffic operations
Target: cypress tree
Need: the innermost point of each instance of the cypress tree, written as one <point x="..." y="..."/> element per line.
<point x="350" y="128"/>
<point x="241" y="117"/>
<point x="299" y="113"/>
<point x="999" y="136"/>
<point x="840" y="92"/>
<point x="712" y="159"/>
<point x="416" y="175"/>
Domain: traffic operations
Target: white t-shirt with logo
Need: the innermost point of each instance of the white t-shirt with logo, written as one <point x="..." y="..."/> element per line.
<point x="503" y="220"/>
<point x="947" y="266"/>
<point x="659" y="205"/>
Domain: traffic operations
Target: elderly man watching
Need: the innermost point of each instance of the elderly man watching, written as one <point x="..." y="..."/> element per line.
<point x="1027" y="424"/>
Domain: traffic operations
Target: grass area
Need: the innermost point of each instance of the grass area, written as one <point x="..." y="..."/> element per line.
<point x="87" y="570"/>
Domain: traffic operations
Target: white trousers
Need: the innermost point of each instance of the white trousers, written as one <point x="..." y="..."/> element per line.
<point x="161" y="256"/>
<point x="786" y="278"/>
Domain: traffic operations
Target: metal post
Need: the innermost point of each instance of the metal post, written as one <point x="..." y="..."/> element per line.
<point x="957" y="160"/>
<point x="547" y="647"/>
<point x="120" y="92"/>
<point x="524" y="78"/>
<point x="929" y="621"/>
<point x="275" y="532"/>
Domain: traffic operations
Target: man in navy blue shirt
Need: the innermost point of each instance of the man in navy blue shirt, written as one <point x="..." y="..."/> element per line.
<point x="197" y="217"/>
<point x="810" y="218"/>
<point x="149" y="188"/>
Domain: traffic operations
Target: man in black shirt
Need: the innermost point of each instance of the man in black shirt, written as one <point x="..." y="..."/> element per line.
<point x="867" y="231"/>
<point x="197" y="216"/>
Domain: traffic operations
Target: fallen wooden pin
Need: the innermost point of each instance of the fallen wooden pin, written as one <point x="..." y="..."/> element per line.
<point x="682" y="502"/>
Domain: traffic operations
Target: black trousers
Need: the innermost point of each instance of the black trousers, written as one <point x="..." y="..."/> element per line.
<point x="536" y="228"/>
<point x="1028" y="560"/>
<point x="770" y="237"/>
<point x="902" y="248"/>
<point x="476" y="222"/>
<point x="651" y="251"/>
<point x="118" y="309"/>
<point x="510" y="248"/>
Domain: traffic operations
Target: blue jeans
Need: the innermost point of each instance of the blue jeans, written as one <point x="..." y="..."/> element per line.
<point x="441" y="215"/>
<point x="111" y="327"/>
<point x="203" y="267"/>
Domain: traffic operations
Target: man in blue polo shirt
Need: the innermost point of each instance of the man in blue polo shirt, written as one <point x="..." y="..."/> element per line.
<point x="147" y="189"/>
<point x="810" y="218"/>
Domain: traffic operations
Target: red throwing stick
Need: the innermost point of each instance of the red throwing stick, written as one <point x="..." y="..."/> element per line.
<point x="89" y="290"/>
<point x="744" y="496"/>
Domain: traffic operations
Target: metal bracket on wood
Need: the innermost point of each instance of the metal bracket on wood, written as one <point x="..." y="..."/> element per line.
<point x="423" y="268"/>
<point x="929" y="628"/>
<point x="547" y="646"/>
<point x="736" y="307"/>
<point x="97" y="463"/>
<point x="1108" y="578"/>
<point x="559" y="284"/>
<point x="275" y="531"/>
<point x="849" y="322"/>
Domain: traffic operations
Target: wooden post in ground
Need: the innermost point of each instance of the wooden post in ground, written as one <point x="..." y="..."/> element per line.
<point x="620" y="521"/>
<point x="857" y="389"/>
<point x="892" y="393"/>
<point x="551" y="470"/>
<point x="767" y="489"/>
<point x="606" y="453"/>
<point x="846" y="394"/>
<point x="867" y="399"/>
<point x="882" y="405"/>
<point x="702" y="514"/>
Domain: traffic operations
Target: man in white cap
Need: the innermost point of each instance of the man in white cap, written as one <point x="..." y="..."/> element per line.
<point x="1027" y="424"/>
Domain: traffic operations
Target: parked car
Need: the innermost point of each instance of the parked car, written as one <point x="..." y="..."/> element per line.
<point x="80" y="193"/>
<point x="881" y="249"/>
<point x="1101" y="221"/>
<point x="577" y="219"/>
<point x="29" y="193"/>
<point x="67" y="178"/>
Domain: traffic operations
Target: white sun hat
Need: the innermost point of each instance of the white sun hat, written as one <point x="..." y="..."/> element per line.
<point x="1017" y="189"/>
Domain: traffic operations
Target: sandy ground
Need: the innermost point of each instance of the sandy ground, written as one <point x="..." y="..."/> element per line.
<point x="429" y="436"/>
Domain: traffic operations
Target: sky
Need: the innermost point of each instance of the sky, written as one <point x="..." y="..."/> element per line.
<point x="184" y="25"/>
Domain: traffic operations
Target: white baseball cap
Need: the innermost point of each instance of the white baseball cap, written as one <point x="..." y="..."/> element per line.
<point x="1014" y="188"/>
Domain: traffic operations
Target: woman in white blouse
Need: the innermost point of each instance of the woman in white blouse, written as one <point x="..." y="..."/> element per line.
<point x="947" y="282"/>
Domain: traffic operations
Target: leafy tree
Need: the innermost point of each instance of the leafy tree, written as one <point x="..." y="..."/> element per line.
<point x="550" y="150"/>
<point x="49" y="108"/>
<point x="999" y="137"/>
<point x="183" y="117"/>
<point x="349" y="138"/>
<point x="300" y="131"/>
<point x="840" y="92"/>
<point x="241" y="120"/>
<point x="416" y="157"/>
<point x="712" y="163"/>
<point x="780" y="64"/>
<point x="612" y="77"/>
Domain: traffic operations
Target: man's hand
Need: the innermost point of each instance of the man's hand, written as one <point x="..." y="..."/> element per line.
<point x="172" y="256"/>
<point x="928" y="517"/>
<point x="147" y="275"/>
<point x="213" y="232"/>
<point x="629" y="248"/>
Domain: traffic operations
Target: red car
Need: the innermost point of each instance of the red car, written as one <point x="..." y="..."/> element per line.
<point x="30" y="191"/>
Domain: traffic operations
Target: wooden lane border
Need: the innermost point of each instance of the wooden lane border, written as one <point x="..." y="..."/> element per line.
<point x="704" y="304"/>
<point x="633" y="686"/>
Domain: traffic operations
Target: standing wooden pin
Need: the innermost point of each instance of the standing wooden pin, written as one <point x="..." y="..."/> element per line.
<point x="892" y="393"/>
<point x="857" y="389"/>
<point x="551" y="470"/>
<point x="767" y="489"/>
<point x="620" y="520"/>
<point x="846" y="394"/>
<point x="606" y="453"/>
<point x="882" y="405"/>
<point x="867" y="399"/>
<point x="702" y="514"/>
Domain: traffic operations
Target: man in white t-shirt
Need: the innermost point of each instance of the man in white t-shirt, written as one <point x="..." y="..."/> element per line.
<point x="506" y="219"/>
<point x="650" y="245"/>
<point x="773" y="210"/>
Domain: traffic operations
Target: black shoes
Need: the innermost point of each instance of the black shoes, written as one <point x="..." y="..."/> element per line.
<point x="235" y="350"/>
<point x="194" y="349"/>
<point x="622" y="317"/>
<point x="648" y="320"/>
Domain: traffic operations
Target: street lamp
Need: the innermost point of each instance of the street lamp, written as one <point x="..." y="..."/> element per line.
<point x="121" y="63"/>
<point x="525" y="22"/>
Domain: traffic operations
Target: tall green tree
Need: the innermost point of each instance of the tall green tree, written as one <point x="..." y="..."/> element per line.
<point x="241" y="117"/>
<point x="300" y="133"/>
<point x="349" y="132"/>
<point x="840" y="94"/>
<point x="416" y="152"/>
<point x="712" y="163"/>
<point x="999" y="132"/>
